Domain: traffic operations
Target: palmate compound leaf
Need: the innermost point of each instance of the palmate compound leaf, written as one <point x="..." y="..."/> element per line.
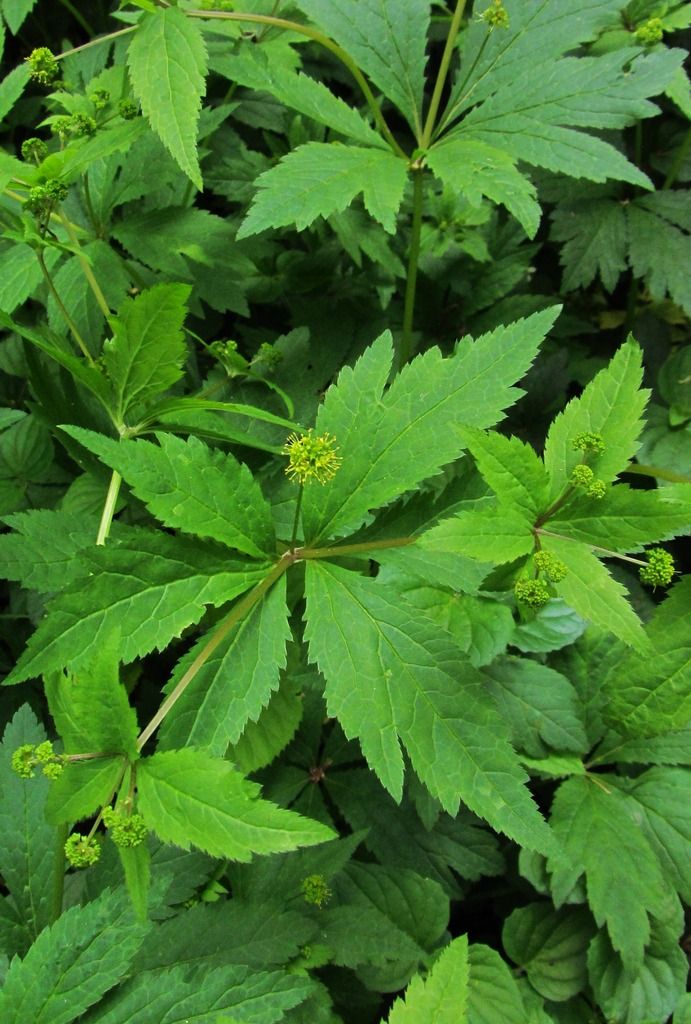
<point x="649" y="696"/>
<point x="625" y="883"/>
<point x="190" y="799"/>
<point x="73" y="963"/>
<point x="149" y="586"/>
<point x="611" y="405"/>
<point x="442" y="996"/>
<point x="234" y="684"/>
<point x="146" y="353"/>
<point x="390" y="441"/>
<point x="191" y="487"/>
<point x="321" y="178"/>
<point x="388" y="47"/>
<point x="388" y="681"/>
<point x="167" y="64"/>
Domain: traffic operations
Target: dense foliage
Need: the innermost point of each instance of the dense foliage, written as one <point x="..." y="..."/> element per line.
<point x="345" y="448"/>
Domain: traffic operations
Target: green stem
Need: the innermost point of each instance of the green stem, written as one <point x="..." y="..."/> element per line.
<point x="656" y="471"/>
<point x="85" y="265"/>
<point x="237" y="613"/>
<point x="296" y="521"/>
<point x="411" y="276"/>
<point x="555" y="506"/>
<point x="442" y="74"/>
<point x="109" y="508"/>
<point x="592" y="547"/>
<point x="450" y="114"/>
<point x="323" y="40"/>
<point x="96" y="42"/>
<point x="59" y="865"/>
<point x="68" y="319"/>
<point x="679" y="158"/>
<point x="353" y="549"/>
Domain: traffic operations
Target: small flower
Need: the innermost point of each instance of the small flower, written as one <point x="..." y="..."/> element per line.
<point x="54" y="769"/>
<point x="100" y="98"/>
<point x="125" y="831"/>
<point x="44" y="752"/>
<point x="659" y="570"/>
<point x="496" y="15"/>
<point x="34" y="149"/>
<point x="650" y="32"/>
<point x="534" y="593"/>
<point x="316" y="891"/>
<point x="62" y="127"/>
<point x="597" y="489"/>
<point x="83" y="124"/>
<point x="82" y="852"/>
<point x="43" y="65"/>
<point x="127" y="110"/>
<point x="582" y="476"/>
<point x="587" y="441"/>
<point x="553" y="567"/>
<point x="311" y="457"/>
<point x="24" y="761"/>
<point x="43" y="198"/>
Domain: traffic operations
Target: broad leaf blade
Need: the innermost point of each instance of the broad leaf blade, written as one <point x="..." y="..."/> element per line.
<point x="456" y="741"/>
<point x="319" y="179"/>
<point x="391" y="443"/>
<point x="191" y="487"/>
<point x="42" y="552"/>
<point x="167" y="63"/>
<point x="441" y="997"/>
<point x="190" y="799"/>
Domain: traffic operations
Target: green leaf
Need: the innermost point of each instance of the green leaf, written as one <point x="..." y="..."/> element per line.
<point x="147" y="351"/>
<point x="264" y="739"/>
<point x="21" y="273"/>
<point x="595" y="241"/>
<point x="70" y="966"/>
<point x="76" y="296"/>
<point x="511" y="468"/>
<point x="15" y="11"/>
<point x="254" y="68"/>
<point x="647" y="696"/>
<point x="83" y="788"/>
<point x="493" y="996"/>
<point x="475" y="170"/>
<point x="190" y="799"/>
<point x="167" y="64"/>
<point x="390" y="442"/>
<point x="388" y="48"/>
<point x="456" y="742"/>
<point x="91" y="709"/>
<point x="669" y="748"/>
<point x="150" y="586"/>
<point x="490" y="535"/>
<point x="540" y="705"/>
<point x="651" y="991"/>
<point x="320" y="178"/>
<point x="592" y="592"/>
<point x="441" y="997"/>
<point x="658" y="250"/>
<point x="601" y="837"/>
<point x="136" y="864"/>
<point x="191" y="487"/>
<point x="551" y="947"/>
<point x="662" y="797"/>
<point x="235" y="682"/>
<point x="612" y="405"/>
<point x="41" y="553"/>
<point x="27" y="841"/>
<point x="175" y="997"/>
<point x="626" y="519"/>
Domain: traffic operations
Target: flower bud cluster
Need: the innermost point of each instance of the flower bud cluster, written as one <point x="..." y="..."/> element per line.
<point x="127" y="110"/>
<point x="496" y="15"/>
<point x="583" y="476"/>
<point x="650" y="32"/>
<point x="534" y="593"/>
<point x="587" y="441"/>
<point x="311" y="457"/>
<point x="660" y="568"/>
<point x="125" y="830"/>
<point x="43" y="199"/>
<point x="43" y="66"/>
<point x="34" y="149"/>
<point x="75" y="125"/>
<point x="316" y="891"/>
<point x="30" y="756"/>
<point x="82" y="851"/>
<point x="553" y="567"/>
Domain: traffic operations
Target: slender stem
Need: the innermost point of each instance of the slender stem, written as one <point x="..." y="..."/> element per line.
<point x="296" y="521"/>
<point x="109" y="507"/>
<point x="679" y="158"/>
<point x="85" y="265"/>
<point x="70" y="322"/>
<point x="593" y="547"/>
<point x="96" y="42"/>
<point x="657" y="471"/>
<point x="555" y="506"/>
<point x="450" y="114"/>
<point x="353" y="549"/>
<point x="442" y="74"/>
<point x="238" y="612"/>
<point x="59" y="864"/>
<point x="329" y="44"/>
<point x="411" y="277"/>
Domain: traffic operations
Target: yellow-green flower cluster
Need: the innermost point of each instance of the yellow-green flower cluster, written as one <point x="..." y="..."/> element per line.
<point x="30" y="756"/>
<point x="660" y="568"/>
<point x="496" y="15"/>
<point x="553" y="567"/>
<point x="311" y="457"/>
<point x="534" y="593"/>
<point x="127" y="831"/>
<point x="43" y="65"/>
<point x="588" y="441"/>
<point x="650" y="32"/>
<point x="583" y="476"/>
<point x="316" y="891"/>
<point x="82" y="851"/>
